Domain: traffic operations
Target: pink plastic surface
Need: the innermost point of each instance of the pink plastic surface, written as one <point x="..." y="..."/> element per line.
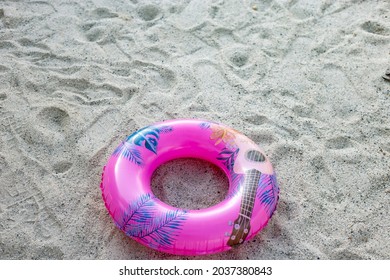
<point x="251" y="199"/>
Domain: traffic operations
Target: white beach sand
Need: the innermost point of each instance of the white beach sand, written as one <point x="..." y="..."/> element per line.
<point x="302" y="78"/>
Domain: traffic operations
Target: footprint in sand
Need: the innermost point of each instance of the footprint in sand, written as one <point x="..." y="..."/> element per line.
<point x="257" y="119"/>
<point x="54" y="118"/>
<point x="338" y="143"/>
<point x="62" y="167"/>
<point x="38" y="133"/>
<point x="149" y="12"/>
<point x="244" y="65"/>
<point x="376" y="28"/>
<point x="103" y="13"/>
<point x="3" y="97"/>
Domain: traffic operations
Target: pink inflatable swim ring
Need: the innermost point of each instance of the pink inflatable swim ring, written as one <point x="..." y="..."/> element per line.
<point x="251" y="200"/>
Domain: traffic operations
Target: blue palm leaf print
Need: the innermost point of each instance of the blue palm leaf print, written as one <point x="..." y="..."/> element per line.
<point x="228" y="157"/>
<point x="165" y="129"/>
<point x="268" y="192"/>
<point x="130" y="152"/>
<point x="139" y="211"/>
<point x="207" y="124"/>
<point x="204" y="125"/>
<point x="163" y="230"/>
<point x="236" y="181"/>
<point x="141" y="220"/>
<point x="147" y="137"/>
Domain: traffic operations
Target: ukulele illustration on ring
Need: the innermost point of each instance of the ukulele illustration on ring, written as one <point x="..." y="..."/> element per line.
<point x="241" y="225"/>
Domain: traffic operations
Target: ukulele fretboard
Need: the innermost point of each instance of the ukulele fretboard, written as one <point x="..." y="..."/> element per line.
<point x="252" y="176"/>
<point x="251" y="182"/>
<point x="242" y="224"/>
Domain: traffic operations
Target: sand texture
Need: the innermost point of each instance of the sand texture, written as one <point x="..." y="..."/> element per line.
<point x="302" y="78"/>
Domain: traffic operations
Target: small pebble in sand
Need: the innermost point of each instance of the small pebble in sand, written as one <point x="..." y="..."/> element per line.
<point x="254" y="7"/>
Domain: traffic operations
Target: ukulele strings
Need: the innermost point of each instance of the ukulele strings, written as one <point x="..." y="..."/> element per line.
<point x="251" y="182"/>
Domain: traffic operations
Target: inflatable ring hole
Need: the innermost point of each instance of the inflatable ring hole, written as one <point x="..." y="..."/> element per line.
<point x="190" y="183"/>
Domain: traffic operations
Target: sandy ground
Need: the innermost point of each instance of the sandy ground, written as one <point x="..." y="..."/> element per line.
<point x="302" y="78"/>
